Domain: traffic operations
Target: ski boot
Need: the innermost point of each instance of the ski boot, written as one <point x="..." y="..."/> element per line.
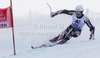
<point x="54" y="39"/>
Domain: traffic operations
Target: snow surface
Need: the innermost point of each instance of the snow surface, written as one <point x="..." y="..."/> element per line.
<point x="35" y="27"/>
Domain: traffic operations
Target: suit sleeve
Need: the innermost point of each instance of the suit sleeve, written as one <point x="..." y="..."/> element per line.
<point x="89" y="24"/>
<point x="68" y="12"/>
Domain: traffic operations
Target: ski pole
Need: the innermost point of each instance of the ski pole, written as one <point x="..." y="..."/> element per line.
<point x="50" y="8"/>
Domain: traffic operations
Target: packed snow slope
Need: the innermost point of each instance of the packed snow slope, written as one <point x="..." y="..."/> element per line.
<point x="33" y="26"/>
<point x="37" y="30"/>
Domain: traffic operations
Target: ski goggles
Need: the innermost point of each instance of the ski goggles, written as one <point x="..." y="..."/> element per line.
<point x="78" y="12"/>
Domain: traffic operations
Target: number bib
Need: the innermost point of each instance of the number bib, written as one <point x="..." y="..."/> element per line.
<point x="78" y="23"/>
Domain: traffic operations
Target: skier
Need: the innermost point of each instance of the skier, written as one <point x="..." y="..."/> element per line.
<point x="75" y="28"/>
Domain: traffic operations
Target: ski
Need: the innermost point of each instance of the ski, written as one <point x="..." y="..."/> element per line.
<point x="44" y="45"/>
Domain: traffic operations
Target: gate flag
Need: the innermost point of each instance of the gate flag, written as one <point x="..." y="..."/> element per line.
<point x="6" y="20"/>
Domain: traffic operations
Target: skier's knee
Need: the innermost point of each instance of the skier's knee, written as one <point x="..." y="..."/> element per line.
<point x="75" y="33"/>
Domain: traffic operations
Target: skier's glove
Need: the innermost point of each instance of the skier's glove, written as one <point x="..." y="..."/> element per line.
<point x="92" y="30"/>
<point x="55" y="13"/>
<point x="52" y="14"/>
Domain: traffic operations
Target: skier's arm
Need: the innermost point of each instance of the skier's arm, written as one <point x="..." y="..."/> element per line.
<point x="92" y="28"/>
<point x="69" y="12"/>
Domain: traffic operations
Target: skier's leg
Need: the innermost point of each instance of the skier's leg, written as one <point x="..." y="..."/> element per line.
<point x="62" y="35"/>
<point x="59" y="37"/>
<point x="54" y="39"/>
<point x="66" y="36"/>
<point x="71" y="32"/>
<point x="75" y="33"/>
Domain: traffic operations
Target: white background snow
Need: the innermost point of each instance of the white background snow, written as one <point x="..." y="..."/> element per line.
<point x="34" y="26"/>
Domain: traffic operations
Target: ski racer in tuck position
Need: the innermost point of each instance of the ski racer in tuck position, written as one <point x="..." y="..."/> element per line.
<point x="75" y="28"/>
